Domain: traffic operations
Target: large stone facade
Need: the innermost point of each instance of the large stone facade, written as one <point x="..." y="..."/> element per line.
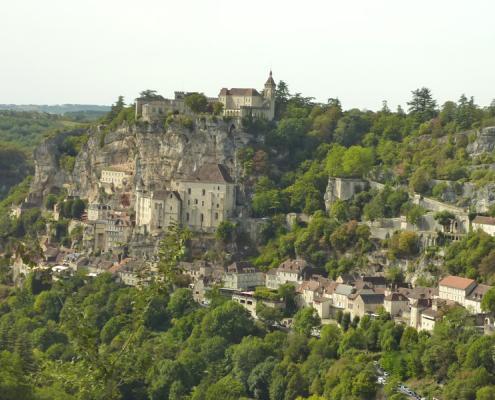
<point x="244" y="102"/>
<point x="200" y="202"/>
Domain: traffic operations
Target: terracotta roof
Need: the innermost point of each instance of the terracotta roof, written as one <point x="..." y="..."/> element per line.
<point x="216" y="173"/>
<point x="480" y="219"/>
<point x="297" y="265"/>
<point x="456" y="282"/>
<point x="239" y="92"/>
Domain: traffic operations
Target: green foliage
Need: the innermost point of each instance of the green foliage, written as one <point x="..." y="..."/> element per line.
<point x="305" y="320"/>
<point x="225" y="232"/>
<point x="197" y="102"/>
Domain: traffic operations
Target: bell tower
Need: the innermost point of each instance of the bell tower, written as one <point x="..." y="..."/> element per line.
<point x="270" y="86"/>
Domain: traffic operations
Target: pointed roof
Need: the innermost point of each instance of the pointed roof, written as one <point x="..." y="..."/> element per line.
<point x="270" y="81"/>
<point x="213" y="173"/>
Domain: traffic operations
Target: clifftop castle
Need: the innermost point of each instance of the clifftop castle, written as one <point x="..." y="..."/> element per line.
<point x="237" y="103"/>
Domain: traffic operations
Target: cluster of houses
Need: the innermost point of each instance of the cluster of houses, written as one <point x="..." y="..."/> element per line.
<point x="358" y="295"/>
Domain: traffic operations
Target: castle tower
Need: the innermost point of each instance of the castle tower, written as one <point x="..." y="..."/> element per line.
<point x="270" y="87"/>
<point x="269" y="95"/>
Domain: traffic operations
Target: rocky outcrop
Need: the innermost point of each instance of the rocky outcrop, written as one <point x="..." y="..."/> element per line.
<point x="48" y="176"/>
<point x="343" y="189"/>
<point x="483" y="143"/>
<point x="156" y="155"/>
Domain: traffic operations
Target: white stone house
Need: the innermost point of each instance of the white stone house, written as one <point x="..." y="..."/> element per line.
<point x="455" y="288"/>
<point x="116" y="177"/>
<point x="249" y="302"/>
<point x="293" y="271"/>
<point x="242" y="276"/>
<point x="486" y="224"/>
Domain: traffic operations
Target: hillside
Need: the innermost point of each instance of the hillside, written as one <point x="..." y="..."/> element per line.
<point x="387" y="195"/>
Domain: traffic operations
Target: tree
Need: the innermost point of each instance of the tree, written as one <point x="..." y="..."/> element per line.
<point x="197" y="102"/>
<point x="50" y="201"/>
<point x="305" y="320"/>
<point x="422" y="106"/>
<point x="225" y="232"/>
<point x="181" y="303"/>
<point x="77" y="208"/>
<point x="488" y="301"/>
<point x="172" y="250"/>
<point x="230" y="321"/>
<point x="226" y="388"/>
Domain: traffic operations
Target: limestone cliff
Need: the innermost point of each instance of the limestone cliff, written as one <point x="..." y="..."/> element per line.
<point x="155" y="154"/>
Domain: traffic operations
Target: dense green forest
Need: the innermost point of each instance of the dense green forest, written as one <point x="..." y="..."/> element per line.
<point x="95" y="339"/>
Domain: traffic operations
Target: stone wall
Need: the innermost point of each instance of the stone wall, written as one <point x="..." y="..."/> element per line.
<point x="343" y="189"/>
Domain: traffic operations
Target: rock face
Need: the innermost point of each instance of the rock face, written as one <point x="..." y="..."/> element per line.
<point x="48" y="176"/>
<point x="156" y="155"/>
<point x="484" y="142"/>
<point x="343" y="189"/>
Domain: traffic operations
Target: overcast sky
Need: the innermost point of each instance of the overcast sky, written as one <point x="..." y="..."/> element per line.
<point x="363" y="52"/>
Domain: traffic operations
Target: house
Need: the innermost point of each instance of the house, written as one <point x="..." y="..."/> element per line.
<point x="317" y="293"/>
<point x="341" y="296"/>
<point x="366" y="303"/>
<point x="116" y="177"/>
<point x="473" y="299"/>
<point x="486" y="224"/>
<point x="455" y="288"/>
<point x="290" y="271"/>
<point x="249" y="302"/>
<point x="242" y="276"/>
<point x="396" y="304"/>
<point x="98" y="211"/>
<point x="157" y="210"/>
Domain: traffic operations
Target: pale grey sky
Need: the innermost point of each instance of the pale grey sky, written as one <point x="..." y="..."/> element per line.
<point x="362" y="51"/>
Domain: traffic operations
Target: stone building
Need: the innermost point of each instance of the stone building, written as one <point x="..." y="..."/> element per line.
<point x="200" y="202"/>
<point x="98" y="211"/>
<point x="244" y="102"/>
<point x="242" y="276"/>
<point x="208" y="198"/>
<point x="157" y="210"/>
<point x="156" y="107"/>
<point x="486" y="224"/>
<point x="116" y="177"/>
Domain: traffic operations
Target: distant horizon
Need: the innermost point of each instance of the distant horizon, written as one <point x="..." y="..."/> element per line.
<point x="360" y="52"/>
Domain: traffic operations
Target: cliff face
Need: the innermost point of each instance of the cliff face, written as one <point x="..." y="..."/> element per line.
<point x="155" y="155"/>
<point x="484" y="142"/>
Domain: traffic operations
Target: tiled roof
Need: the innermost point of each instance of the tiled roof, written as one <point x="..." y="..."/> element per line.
<point x="372" y="298"/>
<point x="239" y="92"/>
<point x="456" y="282"/>
<point x="297" y="265"/>
<point x="480" y="219"/>
<point x="396" y="297"/>
<point x="478" y="292"/>
<point x="215" y="173"/>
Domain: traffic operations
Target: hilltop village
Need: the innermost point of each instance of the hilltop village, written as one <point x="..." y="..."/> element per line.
<point x="254" y="244"/>
<point x="129" y="204"/>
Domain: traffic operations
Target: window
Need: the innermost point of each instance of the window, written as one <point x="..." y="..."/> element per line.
<point x="196" y="201"/>
<point x="187" y="216"/>
<point x="202" y="203"/>
<point x="204" y="192"/>
<point x="202" y="217"/>
<point x="189" y="191"/>
<point x="188" y="202"/>
<point x="216" y="215"/>
<point x="218" y="205"/>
